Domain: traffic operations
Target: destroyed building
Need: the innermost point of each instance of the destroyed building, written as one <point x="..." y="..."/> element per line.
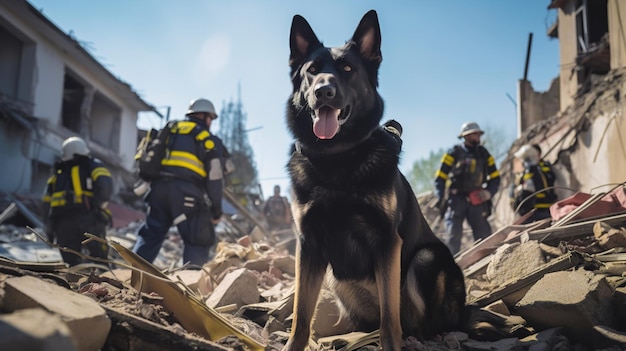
<point x="53" y="88"/>
<point x="579" y="120"/>
<point x="556" y="284"/>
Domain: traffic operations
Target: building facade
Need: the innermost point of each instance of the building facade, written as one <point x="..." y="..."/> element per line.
<point x="52" y="88"/>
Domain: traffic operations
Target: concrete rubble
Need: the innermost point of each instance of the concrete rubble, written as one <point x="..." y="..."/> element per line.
<point x="549" y="285"/>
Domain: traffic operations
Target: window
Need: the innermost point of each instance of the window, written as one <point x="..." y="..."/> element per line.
<point x="591" y="23"/>
<point x="17" y="56"/>
<point x="73" y="95"/>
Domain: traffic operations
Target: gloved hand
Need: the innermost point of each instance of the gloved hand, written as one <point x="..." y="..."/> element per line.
<point x="442" y="206"/>
<point x="477" y="197"/>
<point x="485" y="195"/>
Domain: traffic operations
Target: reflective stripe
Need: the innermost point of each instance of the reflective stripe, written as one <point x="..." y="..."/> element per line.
<point x="494" y="174"/>
<point x="57" y="199"/>
<point x="78" y="189"/>
<point x="203" y="135"/>
<point x="448" y="160"/>
<point x="441" y="175"/>
<point x="184" y="127"/>
<point x="216" y="173"/>
<point x="100" y="171"/>
<point x="542" y="205"/>
<point x="185" y="160"/>
<point x="491" y="161"/>
<point x="527" y="176"/>
<point x="181" y="218"/>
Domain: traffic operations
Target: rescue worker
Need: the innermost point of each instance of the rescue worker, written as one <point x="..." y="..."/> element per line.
<point x="465" y="183"/>
<point x="277" y="211"/>
<point x="188" y="193"/>
<point x="76" y="200"/>
<point x="537" y="176"/>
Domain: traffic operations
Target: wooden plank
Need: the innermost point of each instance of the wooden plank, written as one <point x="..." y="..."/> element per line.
<point x="575" y="229"/>
<point x="8" y="212"/>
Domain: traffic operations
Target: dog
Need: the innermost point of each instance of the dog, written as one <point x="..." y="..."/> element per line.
<point x="356" y="215"/>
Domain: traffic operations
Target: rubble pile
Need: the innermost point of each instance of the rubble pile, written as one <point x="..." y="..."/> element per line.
<point x="550" y="285"/>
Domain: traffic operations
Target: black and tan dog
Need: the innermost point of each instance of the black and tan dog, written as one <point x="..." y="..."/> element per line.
<point x="353" y="208"/>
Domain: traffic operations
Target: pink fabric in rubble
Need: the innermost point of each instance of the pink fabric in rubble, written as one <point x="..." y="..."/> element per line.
<point x="612" y="202"/>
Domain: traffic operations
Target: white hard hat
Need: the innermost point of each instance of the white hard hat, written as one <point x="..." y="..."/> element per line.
<point x="73" y="145"/>
<point x="201" y="105"/>
<point x="528" y="153"/>
<point x="469" y="128"/>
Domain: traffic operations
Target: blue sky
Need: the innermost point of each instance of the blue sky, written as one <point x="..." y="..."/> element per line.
<point x="444" y="62"/>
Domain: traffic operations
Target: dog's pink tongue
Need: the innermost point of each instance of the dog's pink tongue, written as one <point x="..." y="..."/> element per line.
<point x="326" y="124"/>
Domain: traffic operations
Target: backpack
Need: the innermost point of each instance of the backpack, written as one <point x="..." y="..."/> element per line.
<point x="151" y="151"/>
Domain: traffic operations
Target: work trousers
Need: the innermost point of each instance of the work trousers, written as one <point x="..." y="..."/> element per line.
<point x="69" y="230"/>
<point x="181" y="203"/>
<point x="460" y="209"/>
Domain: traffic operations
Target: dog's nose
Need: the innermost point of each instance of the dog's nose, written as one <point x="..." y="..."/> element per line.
<point x="325" y="91"/>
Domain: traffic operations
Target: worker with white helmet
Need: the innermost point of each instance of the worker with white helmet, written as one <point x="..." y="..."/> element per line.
<point x="188" y="193"/>
<point x="76" y="200"/>
<point x="534" y="188"/>
<point x="465" y="183"/>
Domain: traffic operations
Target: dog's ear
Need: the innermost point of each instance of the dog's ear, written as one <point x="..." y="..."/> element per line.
<point x="302" y="41"/>
<point x="367" y="37"/>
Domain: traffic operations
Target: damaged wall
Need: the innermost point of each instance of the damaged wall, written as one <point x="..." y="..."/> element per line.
<point x="535" y="106"/>
<point x="586" y="144"/>
<point x="584" y="138"/>
<point x="617" y="39"/>
<point x="51" y="89"/>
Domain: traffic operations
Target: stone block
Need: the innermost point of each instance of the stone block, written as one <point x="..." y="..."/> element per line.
<point x="575" y="300"/>
<point x="287" y="264"/>
<point x="238" y="287"/>
<point x="34" y="329"/>
<point x="513" y="261"/>
<point x="86" y="320"/>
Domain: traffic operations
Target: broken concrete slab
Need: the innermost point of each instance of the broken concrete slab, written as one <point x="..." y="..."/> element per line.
<point x="238" y="287"/>
<point x="287" y="264"/>
<point x="261" y="264"/>
<point x="575" y="300"/>
<point x="34" y="329"/>
<point x="511" y="261"/>
<point x="513" y="291"/>
<point x="86" y="320"/>
<point x="609" y="237"/>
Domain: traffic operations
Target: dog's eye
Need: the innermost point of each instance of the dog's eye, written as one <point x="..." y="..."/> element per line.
<point x="312" y="69"/>
<point x="347" y="68"/>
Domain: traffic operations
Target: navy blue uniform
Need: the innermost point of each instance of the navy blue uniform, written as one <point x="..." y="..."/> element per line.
<point x="188" y="194"/>
<point x="75" y="202"/>
<point x="535" y="178"/>
<point x="466" y="169"/>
